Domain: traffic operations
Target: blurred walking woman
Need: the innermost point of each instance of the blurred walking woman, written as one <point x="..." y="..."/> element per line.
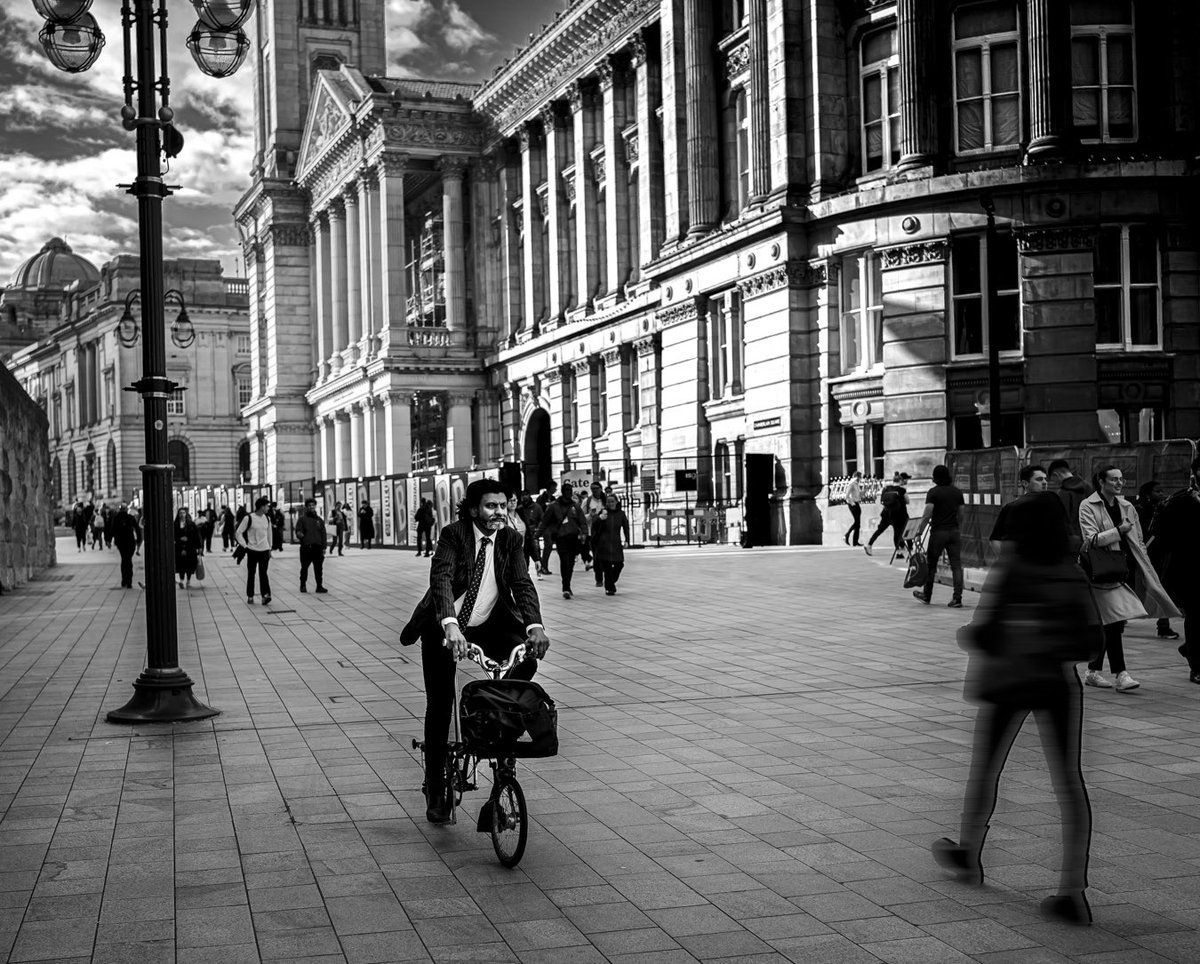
<point x="1035" y="620"/>
<point x="187" y="547"/>
<point x="608" y="528"/>
<point x="1108" y="521"/>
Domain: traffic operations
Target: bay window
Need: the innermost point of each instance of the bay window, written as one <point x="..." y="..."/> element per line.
<point x="1126" y="288"/>
<point x="1104" y="106"/>
<point x="987" y="92"/>
<point x="879" y="76"/>
<point x="975" y="319"/>
<point x="861" y="312"/>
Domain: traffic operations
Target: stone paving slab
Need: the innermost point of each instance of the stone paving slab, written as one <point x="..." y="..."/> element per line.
<point x="757" y="749"/>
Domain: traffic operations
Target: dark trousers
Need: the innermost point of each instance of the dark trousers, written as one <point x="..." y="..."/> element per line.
<point x="853" y="532"/>
<point x="227" y="540"/>
<point x="206" y="535"/>
<point x="126" y="551"/>
<point x="257" y="561"/>
<point x="1059" y="726"/>
<point x="547" y="548"/>
<point x="425" y="532"/>
<point x="950" y="542"/>
<point x="339" y="541"/>
<point x="568" y="549"/>
<point x="1114" y="646"/>
<point x="1191" y="637"/>
<point x="314" y="556"/>
<point x="610" y="571"/>
<point x="497" y="637"/>
<point x="885" y="522"/>
<point x="81" y="538"/>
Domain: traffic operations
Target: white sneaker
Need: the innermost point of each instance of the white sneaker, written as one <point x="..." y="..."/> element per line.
<point x="1125" y="682"/>
<point x="1094" y="677"/>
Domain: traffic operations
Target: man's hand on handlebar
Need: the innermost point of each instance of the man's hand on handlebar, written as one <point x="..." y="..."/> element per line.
<point x="456" y="642"/>
<point x="536" y="642"/>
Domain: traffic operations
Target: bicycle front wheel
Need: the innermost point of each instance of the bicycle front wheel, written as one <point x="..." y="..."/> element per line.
<point x="510" y="820"/>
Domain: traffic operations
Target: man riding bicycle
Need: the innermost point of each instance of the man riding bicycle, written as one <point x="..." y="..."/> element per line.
<point x="479" y="592"/>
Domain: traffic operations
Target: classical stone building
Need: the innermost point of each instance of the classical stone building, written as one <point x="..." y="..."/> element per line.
<point x="78" y="369"/>
<point x="767" y="242"/>
<point x="30" y="302"/>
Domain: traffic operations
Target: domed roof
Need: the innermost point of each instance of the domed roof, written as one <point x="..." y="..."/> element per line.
<point x="55" y="267"/>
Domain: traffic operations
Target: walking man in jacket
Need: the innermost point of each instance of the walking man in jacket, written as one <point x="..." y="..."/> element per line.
<point x="1072" y="490"/>
<point x="564" y="522"/>
<point x="1178" y="525"/>
<point x="310" y="533"/>
<point x="943" y="517"/>
<point x="127" y="535"/>
<point x="479" y="592"/>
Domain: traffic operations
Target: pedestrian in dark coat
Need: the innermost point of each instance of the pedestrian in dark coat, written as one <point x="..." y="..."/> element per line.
<point x="228" y="528"/>
<point x="425" y="521"/>
<point x="608" y="529"/>
<point x="188" y="547"/>
<point x="565" y="523"/>
<point x="310" y="532"/>
<point x="276" y="518"/>
<point x="79" y="522"/>
<point x="127" y="535"/>
<point x="366" y="525"/>
<point x="1178" y="528"/>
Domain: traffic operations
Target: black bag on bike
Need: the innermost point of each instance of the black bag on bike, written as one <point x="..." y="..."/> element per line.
<point x="494" y="715"/>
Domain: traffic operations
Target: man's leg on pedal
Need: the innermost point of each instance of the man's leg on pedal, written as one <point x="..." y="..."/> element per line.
<point x="437" y="667"/>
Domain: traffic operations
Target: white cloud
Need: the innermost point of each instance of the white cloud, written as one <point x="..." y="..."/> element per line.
<point x="461" y="32"/>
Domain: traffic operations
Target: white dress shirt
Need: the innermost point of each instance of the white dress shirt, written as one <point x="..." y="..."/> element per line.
<point x="489" y="592"/>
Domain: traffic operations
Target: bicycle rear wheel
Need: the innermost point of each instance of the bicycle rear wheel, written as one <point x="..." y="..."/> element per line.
<point x="510" y="820"/>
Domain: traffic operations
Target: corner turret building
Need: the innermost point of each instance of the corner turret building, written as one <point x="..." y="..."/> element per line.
<point x="766" y="243"/>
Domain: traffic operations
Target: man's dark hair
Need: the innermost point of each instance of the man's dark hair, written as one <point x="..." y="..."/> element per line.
<point x="941" y="475"/>
<point x="1039" y="529"/>
<point x="260" y="502"/>
<point x="1027" y="471"/>
<point x="1058" y="464"/>
<point x="475" y="493"/>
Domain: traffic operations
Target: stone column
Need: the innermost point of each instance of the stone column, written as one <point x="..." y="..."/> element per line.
<point x="650" y="185"/>
<point x="674" y="123"/>
<point x="353" y="275"/>
<point x="341" y="443"/>
<point x="1049" y="82"/>
<point x="452" y="169"/>
<point x="559" y="153"/>
<point x="918" y="86"/>
<point x="337" y="282"/>
<point x="397" y="427"/>
<point x="583" y="97"/>
<point x="356" y="439"/>
<point x="702" y="143"/>
<point x="532" y="174"/>
<point x="370" y="427"/>
<point x="760" y="112"/>
<point x="614" y="90"/>
<point x="458" y="429"/>
<point x="368" y="243"/>
<point x="323" y="445"/>
<point x="512" y="283"/>
<point x="393" y="295"/>
<point x="322" y="268"/>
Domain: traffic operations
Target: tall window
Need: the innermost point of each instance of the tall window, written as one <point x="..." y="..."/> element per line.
<point x="722" y="472"/>
<point x="725" y="345"/>
<point x="178" y="456"/>
<point x="862" y="312"/>
<point x="70" y="404"/>
<point x="987" y="96"/>
<point x="635" y="389"/>
<point x="1126" y="280"/>
<point x="570" y="384"/>
<point x="110" y="393"/>
<point x="741" y="145"/>
<point x="245" y="387"/>
<point x="879" y="74"/>
<point x="89" y="468"/>
<point x="56" y="478"/>
<point x="1103" y="70"/>
<point x="243" y="456"/>
<point x="175" y="404"/>
<point x="849" y="450"/>
<point x="72" y="478"/>
<point x="57" y="416"/>
<point x="601" y="397"/>
<point x="877" y="450"/>
<point x="975" y="271"/>
<point x="111" y="460"/>
<point x="243" y="344"/>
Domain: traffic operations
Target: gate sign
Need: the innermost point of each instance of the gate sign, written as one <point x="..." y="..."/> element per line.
<point x="685" y="480"/>
<point x="577" y="479"/>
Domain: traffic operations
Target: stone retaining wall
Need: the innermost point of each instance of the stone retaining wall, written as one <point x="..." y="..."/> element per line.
<point x="26" y="503"/>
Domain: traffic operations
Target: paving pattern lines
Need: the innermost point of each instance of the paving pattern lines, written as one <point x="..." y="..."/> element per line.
<point x="723" y="793"/>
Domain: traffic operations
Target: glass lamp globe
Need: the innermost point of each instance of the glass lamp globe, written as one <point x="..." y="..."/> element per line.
<point x="223" y="14"/>
<point x="127" y="329"/>
<point x="183" y="332"/>
<point x="219" y="53"/>
<point x="73" y="46"/>
<point x="61" y="11"/>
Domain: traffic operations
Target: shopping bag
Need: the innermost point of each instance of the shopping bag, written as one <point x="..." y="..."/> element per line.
<point x="200" y="568"/>
<point x="918" y="569"/>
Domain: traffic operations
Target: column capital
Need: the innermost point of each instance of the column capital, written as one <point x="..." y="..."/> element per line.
<point x="639" y="48"/>
<point x="582" y="366"/>
<point x="530" y="135"/>
<point x="459" y="398"/>
<point x="552" y="376"/>
<point x="553" y="115"/>
<point x="487" y="167"/>
<point x="648" y="345"/>
<point x="611" y="70"/>
<point x="356" y="409"/>
<point x="452" y="167"/>
<point x="612" y="356"/>
<point x="341" y="415"/>
<point x="391" y="165"/>
<point x="394" y="397"/>
<point x="335" y="210"/>
<point x="581" y="94"/>
<point x="350" y="194"/>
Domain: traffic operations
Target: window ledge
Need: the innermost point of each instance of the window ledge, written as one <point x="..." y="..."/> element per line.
<point x="1130" y="349"/>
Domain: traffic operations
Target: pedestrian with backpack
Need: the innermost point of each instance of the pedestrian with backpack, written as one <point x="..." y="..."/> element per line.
<point x="894" y="502"/>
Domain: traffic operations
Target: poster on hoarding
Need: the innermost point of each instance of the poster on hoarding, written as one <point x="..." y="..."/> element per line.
<point x="442" y="505"/>
<point x="385" y="510"/>
<point x="412" y="486"/>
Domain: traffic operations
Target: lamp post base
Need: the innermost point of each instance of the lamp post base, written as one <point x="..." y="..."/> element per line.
<point x="162" y="698"/>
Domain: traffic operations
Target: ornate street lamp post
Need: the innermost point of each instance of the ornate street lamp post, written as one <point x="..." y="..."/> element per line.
<point x="73" y="40"/>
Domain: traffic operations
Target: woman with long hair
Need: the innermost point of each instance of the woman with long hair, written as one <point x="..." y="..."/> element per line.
<point x="188" y="547"/>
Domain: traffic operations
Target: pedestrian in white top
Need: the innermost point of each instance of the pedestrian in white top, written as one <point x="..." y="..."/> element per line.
<point x="254" y="535"/>
<point x="854" y="504"/>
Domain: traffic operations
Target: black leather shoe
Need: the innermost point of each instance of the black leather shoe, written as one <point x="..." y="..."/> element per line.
<point x="968" y="868"/>
<point x="437" y="809"/>
<point x="1068" y="908"/>
<point x="303" y="588"/>
<point x="1167" y="634"/>
<point x="917" y="594"/>
<point x="955" y="603"/>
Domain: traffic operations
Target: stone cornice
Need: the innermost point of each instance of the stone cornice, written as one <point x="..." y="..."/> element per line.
<point x="1065" y="238"/>
<point x="685" y="311"/>
<point x="790" y="274"/>
<point x="579" y="36"/>
<point x="933" y="251"/>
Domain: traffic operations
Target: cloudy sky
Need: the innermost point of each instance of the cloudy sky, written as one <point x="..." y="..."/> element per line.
<point x="63" y="151"/>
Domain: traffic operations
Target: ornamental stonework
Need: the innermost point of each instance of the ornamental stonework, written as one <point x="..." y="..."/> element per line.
<point x="1040" y="240"/>
<point x="678" y="314"/>
<point x="917" y="253"/>
<point x="421" y="134"/>
<point x="611" y="356"/>
<point x="552" y="376"/>
<point x="737" y="61"/>
<point x="291" y="235"/>
<point x="648" y="345"/>
<point x="790" y="274"/>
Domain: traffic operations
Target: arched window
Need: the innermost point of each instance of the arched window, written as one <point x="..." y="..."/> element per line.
<point x="111" y="458"/>
<point x="89" y="468"/>
<point x="244" y="460"/>
<point x="56" y="479"/>
<point x="72" y="478"/>
<point x="178" y="455"/>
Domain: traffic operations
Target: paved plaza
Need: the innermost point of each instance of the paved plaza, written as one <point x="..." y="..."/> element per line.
<point x="757" y="749"/>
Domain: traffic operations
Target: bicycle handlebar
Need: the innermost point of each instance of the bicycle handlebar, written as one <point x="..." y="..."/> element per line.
<point x="516" y="657"/>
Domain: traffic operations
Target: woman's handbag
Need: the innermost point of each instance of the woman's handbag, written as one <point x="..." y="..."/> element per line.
<point x="918" y="569"/>
<point x="1103" y="566"/>
<point x="200" y="568"/>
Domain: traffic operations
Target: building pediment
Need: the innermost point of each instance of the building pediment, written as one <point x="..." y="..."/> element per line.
<point x="330" y="116"/>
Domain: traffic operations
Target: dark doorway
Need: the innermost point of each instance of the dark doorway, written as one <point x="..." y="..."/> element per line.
<point x="760" y="483"/>
<point x="538" y="470"/>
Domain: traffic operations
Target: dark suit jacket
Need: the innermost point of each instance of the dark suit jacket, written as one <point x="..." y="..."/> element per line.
<point x="450" y="575"/>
